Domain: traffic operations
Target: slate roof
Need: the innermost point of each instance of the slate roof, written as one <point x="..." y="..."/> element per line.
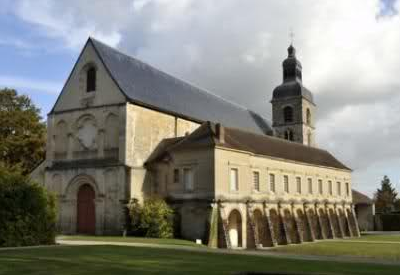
<point x="147" y="86"/>
<point x="360" y="198"/>
<point x="205" y="136"/>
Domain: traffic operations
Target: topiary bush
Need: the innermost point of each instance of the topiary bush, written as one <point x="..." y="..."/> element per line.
<point x="27" y="211"/>
<point x="153" y="218"/>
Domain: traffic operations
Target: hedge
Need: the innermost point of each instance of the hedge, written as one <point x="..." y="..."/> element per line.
<point x="27" y="212"/>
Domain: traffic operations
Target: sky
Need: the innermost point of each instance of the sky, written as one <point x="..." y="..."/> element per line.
<point x="349" y="49"/>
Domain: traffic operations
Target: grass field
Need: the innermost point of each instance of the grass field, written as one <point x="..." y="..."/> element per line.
<point x="134" y="260"/>
<point x="129" y="240"/>
<point x="348" y="247"/>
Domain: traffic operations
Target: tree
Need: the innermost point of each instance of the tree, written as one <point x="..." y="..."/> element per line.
<point x="385" y="197"/>
<point x="22" y="133"/>
<point x="27" y="211"/>
<point x="154" y="218"/>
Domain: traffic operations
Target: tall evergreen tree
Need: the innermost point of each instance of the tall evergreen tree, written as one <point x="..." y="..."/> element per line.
<point x="385" y="197"/>
<point x="22" y="133"/>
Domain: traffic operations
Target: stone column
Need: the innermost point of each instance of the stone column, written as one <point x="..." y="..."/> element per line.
<point x="213" y="234"/>
<point x="70" y="146"/>
<point x="270" y="226"/>
<point x="100" y="148"/>
<point x="225" y="226"/>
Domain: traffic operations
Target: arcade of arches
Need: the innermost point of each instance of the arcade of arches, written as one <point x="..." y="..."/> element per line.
<point x="266" y="225"/>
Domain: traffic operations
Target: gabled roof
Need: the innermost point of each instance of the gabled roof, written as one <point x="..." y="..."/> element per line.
<point x="206" y="136"/>
<point x="147" y="86"/>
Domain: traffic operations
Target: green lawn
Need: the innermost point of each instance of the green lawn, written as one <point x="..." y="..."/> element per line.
<point x="385" y="238"/>
<point x="373" y="250"/>
<point x="134" y="260"/>
<point x="130" y="240"/>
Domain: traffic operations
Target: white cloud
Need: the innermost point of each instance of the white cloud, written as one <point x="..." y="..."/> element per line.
<point x="350" y="53"/>
<point x="31" y="84"/>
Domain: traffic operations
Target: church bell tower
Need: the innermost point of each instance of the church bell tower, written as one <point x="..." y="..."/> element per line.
<point x="293" y="107"/>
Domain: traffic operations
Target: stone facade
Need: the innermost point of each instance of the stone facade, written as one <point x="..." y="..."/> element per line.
<point x="256" y="214"/>
<point x="99" y="140"/>
<point x="302" y="126"/>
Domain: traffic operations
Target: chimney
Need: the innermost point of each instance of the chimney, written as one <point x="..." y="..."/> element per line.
<point x="220" y="131"/>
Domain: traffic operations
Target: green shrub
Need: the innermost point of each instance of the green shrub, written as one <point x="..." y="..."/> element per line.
<point x="154" y="218"/>
<point x="27" y="211"/>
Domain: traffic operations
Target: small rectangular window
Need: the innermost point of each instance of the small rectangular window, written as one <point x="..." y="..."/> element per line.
<point x="234" y="179"/>
<point x="188" y="179"/>
<point x="176" y="175"/>
<point x="330" y="185"/>
<point x="347" y="189"/>
<point x="286" y="183"/>
<point x="320" y="187"/>
<point x="339" y="188"/>
<point x="310" y="187"/>
<point x="272" y="182"/>
<point x="256" y="180"/>
<point x="298" y="184"/>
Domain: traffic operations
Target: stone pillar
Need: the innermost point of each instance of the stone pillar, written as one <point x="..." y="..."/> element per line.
<point x="283" y="221"/>
<point x="270" y="226"/>
<point x="225" y="226"/>
<point x="348" y="222"/>
<point x="341" y="227"/>
<point x="321" y="223"/>
<point x="213" y="234"/>
<point x="100" y="148"/>
<point x="328" y="215"/>
<point x="309" y="221"/>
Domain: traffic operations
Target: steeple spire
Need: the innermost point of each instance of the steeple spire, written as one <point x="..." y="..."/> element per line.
<point x="291" y="66"/>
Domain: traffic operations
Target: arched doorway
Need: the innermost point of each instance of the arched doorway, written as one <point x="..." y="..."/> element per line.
<point x="235" y="229"/>
<point x="86" y="210"/>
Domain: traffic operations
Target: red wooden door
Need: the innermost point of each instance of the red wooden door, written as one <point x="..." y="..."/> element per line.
<point x="86" y="210"/>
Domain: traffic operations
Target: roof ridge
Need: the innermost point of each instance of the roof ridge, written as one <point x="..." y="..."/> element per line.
<point x="183" y="81"/>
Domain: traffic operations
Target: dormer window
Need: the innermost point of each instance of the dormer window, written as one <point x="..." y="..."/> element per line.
<point x="91" y="80"/>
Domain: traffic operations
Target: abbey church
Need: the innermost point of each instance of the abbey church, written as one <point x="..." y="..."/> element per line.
<point x="122" y="130"/>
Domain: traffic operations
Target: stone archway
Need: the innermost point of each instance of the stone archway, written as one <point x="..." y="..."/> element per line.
<point x="291" y="226"/>
<point x="343" y="220"/>
<point x="305" y="227"/>
<point x="335" y="223"/>
<point x="235" y="229"/>
<point x="260" y="226"/>
<point x="325" y="226"/>
<point x="86" y="210"/>
<point x="277" y="225"/>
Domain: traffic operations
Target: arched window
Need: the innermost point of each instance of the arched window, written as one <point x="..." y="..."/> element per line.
<point x="289" y="135"/>
<point x="308" y="116"/>
<point x="288" y="114"/>
<point x="91" y="79"/>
